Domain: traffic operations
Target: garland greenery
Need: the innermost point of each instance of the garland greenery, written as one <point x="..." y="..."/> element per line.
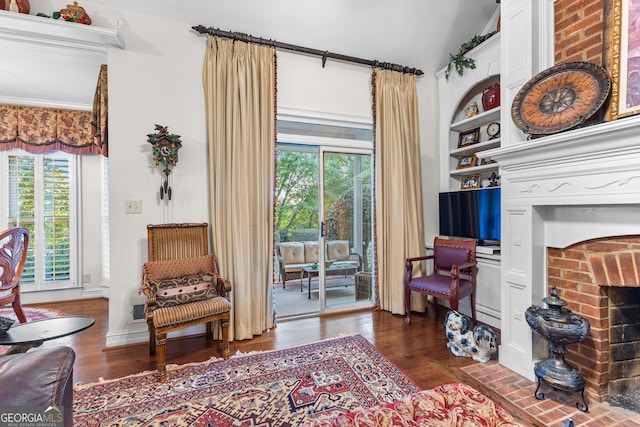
<point x="459" y="61"/>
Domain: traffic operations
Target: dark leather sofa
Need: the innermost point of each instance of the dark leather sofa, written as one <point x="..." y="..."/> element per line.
<point x="42" y="376"/>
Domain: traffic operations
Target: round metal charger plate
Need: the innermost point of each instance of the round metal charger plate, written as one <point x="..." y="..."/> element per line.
<point x="560" y="98"/>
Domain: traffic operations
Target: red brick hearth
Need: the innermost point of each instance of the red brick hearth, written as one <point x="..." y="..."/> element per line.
<point x="600" y="280"/>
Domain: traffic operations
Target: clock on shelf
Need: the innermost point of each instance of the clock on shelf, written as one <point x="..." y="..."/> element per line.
<point x="493" y="130"/>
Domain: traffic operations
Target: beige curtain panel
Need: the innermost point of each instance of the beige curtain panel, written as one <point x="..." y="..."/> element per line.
<point x="39" y="130"/>
<point x="240" y="84"/>
<point x="399" y="215"/>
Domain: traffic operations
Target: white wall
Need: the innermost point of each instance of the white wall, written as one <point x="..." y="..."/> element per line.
<point x="157" y="79"/>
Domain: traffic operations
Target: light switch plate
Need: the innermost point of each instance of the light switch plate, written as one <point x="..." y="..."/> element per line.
<point x="133" y="207"/>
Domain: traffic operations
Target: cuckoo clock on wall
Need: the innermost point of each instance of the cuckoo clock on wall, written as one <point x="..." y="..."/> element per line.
<point x="165" y="154"/>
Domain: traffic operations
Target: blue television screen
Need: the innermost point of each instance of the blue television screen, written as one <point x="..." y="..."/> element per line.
<point x="473" y="214"/>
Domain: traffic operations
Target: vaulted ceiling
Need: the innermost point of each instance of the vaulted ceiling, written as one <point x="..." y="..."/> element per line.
<point x="413" y="33"/>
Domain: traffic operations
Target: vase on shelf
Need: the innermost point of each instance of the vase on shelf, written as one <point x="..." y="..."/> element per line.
<point x="491" y="97"/>
<point x="19" y="6"/>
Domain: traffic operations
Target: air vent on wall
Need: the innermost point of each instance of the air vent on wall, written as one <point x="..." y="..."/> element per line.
<point x="138" y="312"/>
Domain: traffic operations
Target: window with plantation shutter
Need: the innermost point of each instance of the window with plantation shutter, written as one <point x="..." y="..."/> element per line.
<point x="39" y="195"/>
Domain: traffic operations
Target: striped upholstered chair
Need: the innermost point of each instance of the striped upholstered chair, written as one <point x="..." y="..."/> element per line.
<point x="182" y="287"/>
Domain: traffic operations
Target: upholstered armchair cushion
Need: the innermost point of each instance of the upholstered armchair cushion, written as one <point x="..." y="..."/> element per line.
<point x="187" y="313"/>
<point x="448" y="256"/>
<point x="177" y="282"/>
<point x="42" y="376"/>
<point x="160" y="270"/>
<point x="184" y="289"/>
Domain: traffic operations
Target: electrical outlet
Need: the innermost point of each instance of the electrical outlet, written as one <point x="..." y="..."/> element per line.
<point x="133" y="207"/>
<point x="86" y="278"/>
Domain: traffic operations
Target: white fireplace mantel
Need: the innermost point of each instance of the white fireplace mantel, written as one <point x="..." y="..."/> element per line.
<point x="577" y="144"/>
<point x="598" y="164"/>
<point x="556" y="190"/>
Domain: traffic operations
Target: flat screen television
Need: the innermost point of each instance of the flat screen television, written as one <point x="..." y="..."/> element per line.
<point x="473" y="214"/>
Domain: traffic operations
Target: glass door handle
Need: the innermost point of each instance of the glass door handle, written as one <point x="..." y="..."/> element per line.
<point x="322" y="229"/>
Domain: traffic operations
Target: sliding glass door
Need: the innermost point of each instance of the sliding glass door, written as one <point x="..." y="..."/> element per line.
<point x="324" y="247"/>
<point x="345" y="228"/>
<point x="323" y="205"/>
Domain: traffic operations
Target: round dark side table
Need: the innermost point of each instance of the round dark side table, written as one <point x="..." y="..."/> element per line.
<point x="24" y="336"/>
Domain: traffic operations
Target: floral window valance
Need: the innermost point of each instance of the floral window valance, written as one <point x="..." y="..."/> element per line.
<point x="39" y="130"/>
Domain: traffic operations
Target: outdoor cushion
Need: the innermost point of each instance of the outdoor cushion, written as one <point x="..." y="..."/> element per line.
<point x="311" y="252"/>
<point x="338" y="250"/>
<point x="292" y="252"/>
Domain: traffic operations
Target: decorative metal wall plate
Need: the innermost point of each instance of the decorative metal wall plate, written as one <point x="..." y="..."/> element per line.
<point x="560" y="98"/>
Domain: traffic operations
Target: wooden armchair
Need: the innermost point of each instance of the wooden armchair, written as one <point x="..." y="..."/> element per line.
<point x="453" y="276"/>
<point x="14" y="243"/>
<point x="182" y="287"/>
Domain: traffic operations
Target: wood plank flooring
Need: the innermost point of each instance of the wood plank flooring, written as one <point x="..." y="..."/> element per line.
<point x="418" y="349"/>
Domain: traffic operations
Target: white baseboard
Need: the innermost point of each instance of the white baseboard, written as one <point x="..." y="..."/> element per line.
<point x="139" y="333"/>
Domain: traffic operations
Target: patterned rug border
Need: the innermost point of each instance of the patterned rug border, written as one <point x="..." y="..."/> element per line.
<point x="317" y="379"/>
<point x="213" y="359"/>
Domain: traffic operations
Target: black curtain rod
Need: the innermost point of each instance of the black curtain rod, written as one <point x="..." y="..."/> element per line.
<point x="322" y="53"/>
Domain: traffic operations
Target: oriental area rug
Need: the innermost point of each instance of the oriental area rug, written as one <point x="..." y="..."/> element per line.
<point x="275" y="388"/>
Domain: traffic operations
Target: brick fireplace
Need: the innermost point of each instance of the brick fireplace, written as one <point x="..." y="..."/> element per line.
<point x="600" y="280"/>
<point x="571" y="219"/>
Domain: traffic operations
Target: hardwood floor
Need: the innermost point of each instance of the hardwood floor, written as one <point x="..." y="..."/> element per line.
<point x="418" y="349"/>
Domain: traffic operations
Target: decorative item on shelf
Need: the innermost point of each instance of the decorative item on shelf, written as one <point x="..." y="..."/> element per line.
<point x="560" y="98"/>
<point x="468" y="137"/>
<point x="75" y="13"/>
<point x="493" y="180"/>
<point x="466" y="161"/>
<point x="459" y="61"/>
<point x="493" y="130"/>
<point x="468" y="182"/>
<point x="491" y="97"/>
<point x="471" y="109"/>
<point x="165" y="152"/>
<point x="560" y="327"/>
<point x="18" y="6"/>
